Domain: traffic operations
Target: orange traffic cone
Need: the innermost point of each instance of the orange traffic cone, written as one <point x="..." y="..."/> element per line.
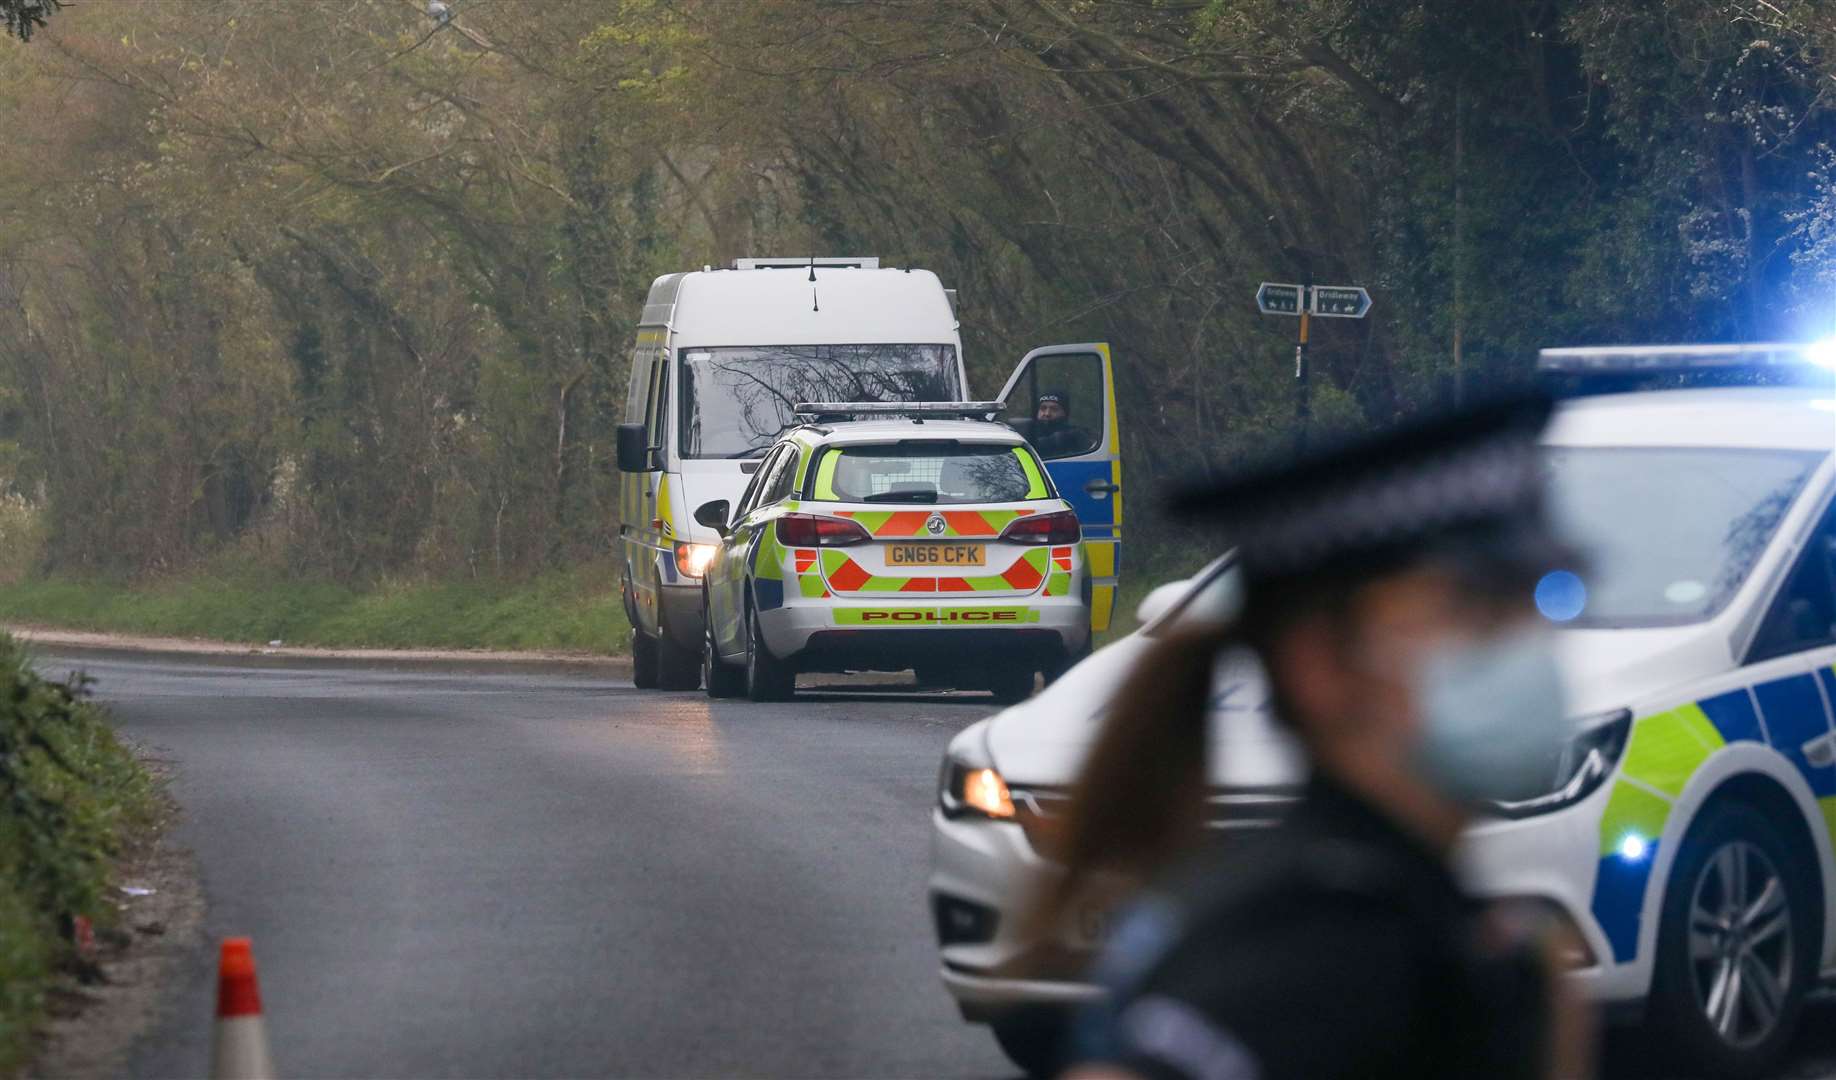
<point x="241" y="1048"/>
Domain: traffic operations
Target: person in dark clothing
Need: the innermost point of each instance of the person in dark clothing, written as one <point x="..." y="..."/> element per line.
<point x="1388" y="591"/>
<point x="1051" y="431"/>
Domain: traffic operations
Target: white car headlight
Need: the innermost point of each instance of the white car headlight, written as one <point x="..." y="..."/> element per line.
<point x="973" y="789"/>
<point x="1585" y="763"/>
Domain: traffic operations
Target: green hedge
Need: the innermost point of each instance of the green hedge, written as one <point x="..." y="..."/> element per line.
<point x="70" y="795"/>
<point x="576" y="609"/>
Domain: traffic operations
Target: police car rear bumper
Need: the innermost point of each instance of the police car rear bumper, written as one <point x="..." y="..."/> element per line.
<point x="894" y="633"/>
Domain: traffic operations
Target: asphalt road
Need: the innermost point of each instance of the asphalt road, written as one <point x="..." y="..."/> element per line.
<point x="456" y="874"/>
<point x="499" y="875"/>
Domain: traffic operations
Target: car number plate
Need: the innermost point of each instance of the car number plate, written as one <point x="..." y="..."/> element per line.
<point x="937" y="555"/>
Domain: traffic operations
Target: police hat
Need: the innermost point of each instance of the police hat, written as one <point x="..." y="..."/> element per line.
<point x="1470" y="481"/>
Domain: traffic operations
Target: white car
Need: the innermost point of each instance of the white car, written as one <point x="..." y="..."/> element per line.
<point x="1687" y="836"/>
<point x="917" y="537"/>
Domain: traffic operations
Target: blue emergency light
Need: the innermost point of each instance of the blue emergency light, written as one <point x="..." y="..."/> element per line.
<point x="1594" y="369"/>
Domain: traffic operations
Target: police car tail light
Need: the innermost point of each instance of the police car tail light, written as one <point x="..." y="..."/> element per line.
<point x="813" y="530"/>
<point x="1058" y="528"/>
<point x="1585" y="763"/>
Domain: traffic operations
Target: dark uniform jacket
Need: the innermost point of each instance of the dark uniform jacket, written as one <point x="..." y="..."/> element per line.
<point x="1333" y="945"/>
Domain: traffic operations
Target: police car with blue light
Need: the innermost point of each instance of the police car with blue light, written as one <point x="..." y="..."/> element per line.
<point x="1685" y="837"/>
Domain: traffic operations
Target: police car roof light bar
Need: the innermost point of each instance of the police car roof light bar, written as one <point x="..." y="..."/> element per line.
<point x="1651" y="359"/>
<point x="900" y="408"/>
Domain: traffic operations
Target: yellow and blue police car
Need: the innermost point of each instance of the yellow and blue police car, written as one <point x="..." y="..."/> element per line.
<point x="892" y="536"/>
<point x="1686" y="834"/>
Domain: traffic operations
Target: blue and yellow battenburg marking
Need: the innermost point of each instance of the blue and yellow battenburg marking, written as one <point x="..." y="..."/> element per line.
<point x="1665" y="751"/>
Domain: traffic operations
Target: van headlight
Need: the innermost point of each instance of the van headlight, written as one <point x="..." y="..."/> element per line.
<point x="973" y="789"/>
<point x="1584" y="764"/>
<point x="693" y="560"/>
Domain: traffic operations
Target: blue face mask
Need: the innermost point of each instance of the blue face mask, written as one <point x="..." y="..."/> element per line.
<point x="1494" y="717"/>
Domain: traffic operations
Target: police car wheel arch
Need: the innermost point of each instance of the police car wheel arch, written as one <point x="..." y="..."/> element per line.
<point x="1738" y="942"/>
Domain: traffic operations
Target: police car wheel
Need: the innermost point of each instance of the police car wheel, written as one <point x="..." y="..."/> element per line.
<point x="767" y="677"/>
<point x="1065" y="663"/>
<point x="1011" y="684"/>
<point x="932" y="675"/>
<point x="1734" y="947"/>
<point x="1033" y="1039"/>
<point x="643" y="660"/>
<point x="722" y="679"/>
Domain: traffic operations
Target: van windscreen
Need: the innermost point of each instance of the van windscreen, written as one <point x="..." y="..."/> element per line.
<point x="737" y="401"/>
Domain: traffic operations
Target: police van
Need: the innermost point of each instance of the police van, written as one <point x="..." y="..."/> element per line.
<point x="722" y="358"/>
<point x="1685" y="837"/>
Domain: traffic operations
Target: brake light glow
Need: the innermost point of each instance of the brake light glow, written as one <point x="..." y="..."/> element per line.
<point x="813" y="530"/>
<point x="1058" y="528"/>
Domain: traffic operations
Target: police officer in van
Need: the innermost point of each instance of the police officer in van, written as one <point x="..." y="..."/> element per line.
<point x="1388" y="596"/>
<point x="1051" y="431"/>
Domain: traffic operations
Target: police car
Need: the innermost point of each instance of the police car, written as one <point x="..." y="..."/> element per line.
<point x="1686" y="836"/>
<point x="895" y="536"/>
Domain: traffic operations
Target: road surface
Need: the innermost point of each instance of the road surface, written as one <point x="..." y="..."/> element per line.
<point x="452" y="874"/>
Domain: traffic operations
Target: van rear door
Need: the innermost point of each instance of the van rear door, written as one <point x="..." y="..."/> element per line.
<point x="1083" y="453"/>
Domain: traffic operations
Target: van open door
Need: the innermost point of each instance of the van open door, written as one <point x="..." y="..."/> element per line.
<point x="1083" y="452"/>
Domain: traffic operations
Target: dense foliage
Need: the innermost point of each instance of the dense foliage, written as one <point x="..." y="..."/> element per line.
<point x="350" y="288"/>
<point x="69" y="796"/>
<point x="22" y="17"/>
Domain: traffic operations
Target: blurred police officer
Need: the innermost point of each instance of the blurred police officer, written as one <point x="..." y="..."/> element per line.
<point x="1388" y="592"/>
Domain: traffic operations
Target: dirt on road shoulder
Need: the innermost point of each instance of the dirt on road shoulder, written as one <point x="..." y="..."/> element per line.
<point x="95" y="1020"/>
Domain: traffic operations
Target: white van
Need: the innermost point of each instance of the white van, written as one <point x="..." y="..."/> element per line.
<point x="722" y="358"/>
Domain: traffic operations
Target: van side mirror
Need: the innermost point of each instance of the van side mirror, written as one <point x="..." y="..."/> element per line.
<point x="713" y="515"/>
<point x="633" y="448"/>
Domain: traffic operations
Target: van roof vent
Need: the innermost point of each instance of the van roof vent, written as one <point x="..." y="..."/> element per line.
<point x="863" y="262"/>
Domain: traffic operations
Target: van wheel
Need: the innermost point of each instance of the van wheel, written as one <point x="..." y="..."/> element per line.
<point x="1011" y="684"/>
<point x="1735" y="947"/>
<point x="722" y="679"/>
<point x="677" y="668"/>
<point x="643" y="660"/>
<point x="767" y="677"/>
<point x="1033" y="1039"/>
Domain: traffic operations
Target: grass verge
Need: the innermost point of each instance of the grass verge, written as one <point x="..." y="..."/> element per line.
<point x="575" y="609"/>
<point x="71" y="796"/>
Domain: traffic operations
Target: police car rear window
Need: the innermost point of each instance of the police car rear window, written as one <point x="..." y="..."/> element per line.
<point x="1669" y="533"/>
<point x="927" y="473"/>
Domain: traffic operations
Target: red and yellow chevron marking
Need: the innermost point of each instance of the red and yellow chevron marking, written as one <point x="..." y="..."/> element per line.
<point x="809" y="579"/>
<point x="1061" y="558"/>
<point x="847" y="576"/>
<point x="897" y="523"/>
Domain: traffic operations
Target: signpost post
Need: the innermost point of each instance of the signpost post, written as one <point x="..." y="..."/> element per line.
<point x="1307" y="300"/>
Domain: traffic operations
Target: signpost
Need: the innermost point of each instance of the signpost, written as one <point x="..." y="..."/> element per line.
<point x="1340" y="301"/>
<point x="1273" y="299"/>
<point x="1305" y="301"/>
